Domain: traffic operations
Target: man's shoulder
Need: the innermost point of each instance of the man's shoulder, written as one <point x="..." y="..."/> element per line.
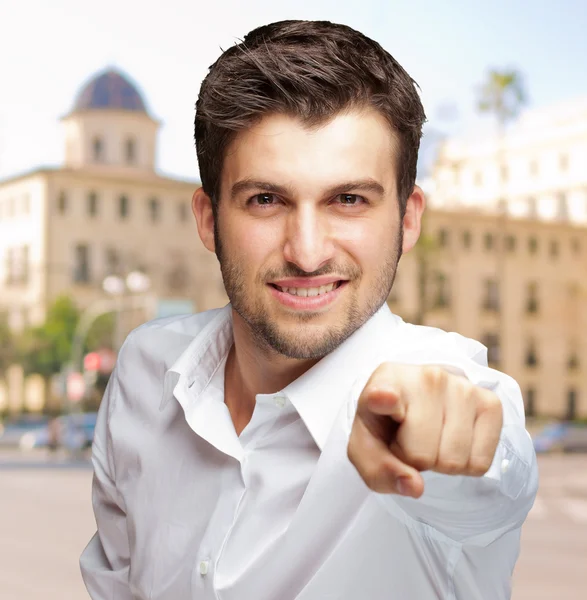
<point x="426" y="339"/>
<point x="166" y="338"/>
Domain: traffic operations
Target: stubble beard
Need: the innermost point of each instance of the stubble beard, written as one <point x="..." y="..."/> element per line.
<point x="315" y="342"/>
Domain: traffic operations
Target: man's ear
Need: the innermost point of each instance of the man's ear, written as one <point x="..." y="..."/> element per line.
<point x="412" y="222"/>
<point x="202" y="209"/>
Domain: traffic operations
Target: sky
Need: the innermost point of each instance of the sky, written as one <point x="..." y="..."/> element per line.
<point x="49" y="49"/>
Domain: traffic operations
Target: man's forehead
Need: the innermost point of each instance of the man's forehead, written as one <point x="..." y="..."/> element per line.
<point x="355" y="145"/>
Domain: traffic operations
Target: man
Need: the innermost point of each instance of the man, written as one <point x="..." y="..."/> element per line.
<point x="304" y="442"/>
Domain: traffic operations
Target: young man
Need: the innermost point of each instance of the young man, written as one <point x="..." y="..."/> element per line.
<point x="303" y="442"/>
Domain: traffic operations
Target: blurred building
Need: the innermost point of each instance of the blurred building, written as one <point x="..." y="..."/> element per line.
<point x="105" y="211"/>
<point x="505" y="258"/>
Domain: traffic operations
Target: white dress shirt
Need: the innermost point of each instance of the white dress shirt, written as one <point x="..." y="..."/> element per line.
<point x="188" y="510"/>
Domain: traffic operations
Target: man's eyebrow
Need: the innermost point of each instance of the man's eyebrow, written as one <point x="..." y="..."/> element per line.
<point x="246" y="185"/>
<point x="359" y="185"/>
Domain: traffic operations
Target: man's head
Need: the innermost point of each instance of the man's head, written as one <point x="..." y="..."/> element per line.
<point x="307" y="136"/>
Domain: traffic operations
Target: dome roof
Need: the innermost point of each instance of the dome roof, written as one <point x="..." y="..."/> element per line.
<point x="110" y="89"/>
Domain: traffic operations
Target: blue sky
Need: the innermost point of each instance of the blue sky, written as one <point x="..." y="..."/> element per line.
<point x="49" y="49"/>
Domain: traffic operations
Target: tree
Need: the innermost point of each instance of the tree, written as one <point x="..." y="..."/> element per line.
<point x="8" y="353"/>
<point x="502" y="95"/>
<point x="44" y="349"/>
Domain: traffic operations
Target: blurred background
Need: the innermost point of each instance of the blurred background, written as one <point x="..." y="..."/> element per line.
<point x="97" y="169"/>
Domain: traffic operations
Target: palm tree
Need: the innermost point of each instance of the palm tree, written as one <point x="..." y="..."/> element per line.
<point x="502" y="95"/>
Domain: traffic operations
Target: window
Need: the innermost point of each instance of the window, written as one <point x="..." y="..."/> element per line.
<point x="533" y="245"/>
<point x="17" y="265"/>
<point x="442" y="293"/>
<point x="182" y="211"/>
<point x="154" y="212"/>
<point x="491" y="341"/>
<point x="443" y="238"/>
<point x="10" y="208"/>
<point x="532" y="207"/>
<point x="575" y="246"/>
<point x="532" y="298"/>
<point x="98" y="149"/>
<point x="530" y="402"/>
<point x="488" y="241"/>
<point x="563" y="162"/>
<point x="62" y="203"/>
<point x="467" y="239"/>
<point x="92" y="204"/>
<point x="534" y="167"/>
<point x="26" y="204"/>
<point x="123" y="207"/>
<point x="81" y="271"/>
<point x="554" y="248"/>
<point x="478" y="178"/>
<point x="531" y="355"/>
<point x="573" y="360"/>
<point x="130" y="151"/>
<point x="510" y="243"/>
<point x="562" y="208"/>
<point x="112" y="261"/>
<point x="571" y="404"/>
<point x="491" y="295"/>
<point x="504" y="171"/>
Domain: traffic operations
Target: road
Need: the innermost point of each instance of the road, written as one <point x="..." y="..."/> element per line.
<point x="46" y="520"/>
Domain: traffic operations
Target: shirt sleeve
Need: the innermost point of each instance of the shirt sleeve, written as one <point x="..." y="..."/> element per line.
<point x="105" y="561"/>
<point x="477" y="510"/>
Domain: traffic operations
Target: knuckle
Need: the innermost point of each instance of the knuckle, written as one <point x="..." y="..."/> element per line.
<point x="479" y="465"/>
<point x="420" y="461"/>
<point x="452" y="465"/>
<point x="434" y="377"/>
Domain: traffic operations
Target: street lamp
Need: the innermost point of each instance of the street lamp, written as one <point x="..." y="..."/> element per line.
<point x="135" y="282"/>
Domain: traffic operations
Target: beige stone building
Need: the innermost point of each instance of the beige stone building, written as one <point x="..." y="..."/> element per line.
<point x="105" y="211"/>
<point x="508" y="221"/>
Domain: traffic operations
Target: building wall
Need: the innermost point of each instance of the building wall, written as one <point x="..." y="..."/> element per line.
<point x="537" y="167"/>
<point x="558" y="269"/>
<point x="22" y="225"/>
<point x="161" y="247"/>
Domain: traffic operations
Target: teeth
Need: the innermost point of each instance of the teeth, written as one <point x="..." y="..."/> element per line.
<point x="316" y="291"/>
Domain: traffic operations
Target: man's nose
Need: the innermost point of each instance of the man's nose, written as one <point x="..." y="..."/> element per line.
<point x="308" y="242"/>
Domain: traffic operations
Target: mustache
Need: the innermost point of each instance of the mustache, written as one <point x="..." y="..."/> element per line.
<point x="292" y="270"/>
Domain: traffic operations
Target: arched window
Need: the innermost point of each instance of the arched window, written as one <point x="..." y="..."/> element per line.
<point x="130" y="151"/>
<point x="98" y="149"/>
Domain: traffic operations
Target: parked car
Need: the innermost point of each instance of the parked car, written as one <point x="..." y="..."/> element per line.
<point x="562" y="437"/>
<point x="74" y="432"/>
<point x="13" y="429"/>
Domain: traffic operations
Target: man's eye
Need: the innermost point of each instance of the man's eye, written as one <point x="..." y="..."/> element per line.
<point x="349" y="199"/>
<point x="263" y="199"/>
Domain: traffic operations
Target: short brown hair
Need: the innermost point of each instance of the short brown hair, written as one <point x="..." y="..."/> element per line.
<point x="311" y="70"/>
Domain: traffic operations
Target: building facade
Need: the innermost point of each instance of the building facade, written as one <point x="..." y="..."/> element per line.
<point x="105" y="211"/>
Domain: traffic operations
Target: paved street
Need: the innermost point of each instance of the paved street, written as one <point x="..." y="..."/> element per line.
<point x="46" y="520"/>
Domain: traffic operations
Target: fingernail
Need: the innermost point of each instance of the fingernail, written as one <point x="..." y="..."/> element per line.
<point x="403" y="486"/>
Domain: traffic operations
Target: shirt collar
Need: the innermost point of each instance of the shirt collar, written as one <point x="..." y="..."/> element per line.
<point x="199" y="361"/>
<point x="317" y="395"/>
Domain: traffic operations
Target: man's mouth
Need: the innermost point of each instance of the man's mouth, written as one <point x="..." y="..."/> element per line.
<point x="309" y="291"/>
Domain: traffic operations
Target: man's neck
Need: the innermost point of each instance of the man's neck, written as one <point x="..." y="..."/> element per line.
<point x="253" y="369"/>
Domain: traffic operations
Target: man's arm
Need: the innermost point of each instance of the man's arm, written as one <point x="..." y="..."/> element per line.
<point x="459" y="441"/>
<point x="105" y="561"/>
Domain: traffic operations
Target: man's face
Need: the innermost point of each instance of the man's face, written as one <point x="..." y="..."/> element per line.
<point x="308" y="230"/>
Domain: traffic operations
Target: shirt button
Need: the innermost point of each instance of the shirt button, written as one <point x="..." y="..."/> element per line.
<point x="505" y="463"/>
<point x="204" y="567"/>
<point x="280" y="401"/>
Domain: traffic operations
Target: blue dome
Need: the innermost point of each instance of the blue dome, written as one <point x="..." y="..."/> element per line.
<point x="110" y="89"/>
